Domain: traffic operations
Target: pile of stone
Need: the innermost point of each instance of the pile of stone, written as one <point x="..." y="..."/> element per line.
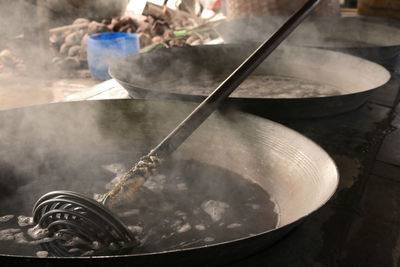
<point x="69" y="44"/>
<point x="157" y="27"/>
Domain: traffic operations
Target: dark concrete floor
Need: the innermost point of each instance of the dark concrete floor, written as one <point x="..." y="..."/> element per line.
<point x="360" y="225"/>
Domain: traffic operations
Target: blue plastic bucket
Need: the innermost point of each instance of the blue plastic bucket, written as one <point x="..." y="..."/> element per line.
<point x="104" y="49"/>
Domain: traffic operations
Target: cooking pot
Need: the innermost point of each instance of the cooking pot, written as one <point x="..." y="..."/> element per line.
<point x="294" y="82"/>
<point x="72" y="145"/>
<point x="376" y="39"/>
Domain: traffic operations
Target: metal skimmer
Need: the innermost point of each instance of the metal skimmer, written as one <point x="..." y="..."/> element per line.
<point x="83" y="223"/>
<point x="70" y="215"/>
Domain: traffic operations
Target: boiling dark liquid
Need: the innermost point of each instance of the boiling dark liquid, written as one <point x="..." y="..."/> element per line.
<point x="187" y="205"/>
<point x="256" y="86"/>
<point x="199" y="204"/>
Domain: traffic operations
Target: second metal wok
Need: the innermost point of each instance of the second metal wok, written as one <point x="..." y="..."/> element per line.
<point x="376" y="39"/>
<point x="295" y="82"/>
<point x="80" y="146"/>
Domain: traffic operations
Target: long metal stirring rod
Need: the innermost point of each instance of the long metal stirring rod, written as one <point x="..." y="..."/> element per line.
<point x="213" y="101"/>
<point x="135" y="177"/>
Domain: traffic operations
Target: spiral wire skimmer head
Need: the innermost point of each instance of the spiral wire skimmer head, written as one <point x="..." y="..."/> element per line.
<point x="71" y="216"/>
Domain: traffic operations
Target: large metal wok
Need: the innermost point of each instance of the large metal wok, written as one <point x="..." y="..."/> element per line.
<point x="67" y="145"/>
<point x="294" y="82"/>
<point x="376" y="39"/>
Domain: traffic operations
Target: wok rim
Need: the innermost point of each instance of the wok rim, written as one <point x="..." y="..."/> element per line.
<point x="113" y="72"/>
